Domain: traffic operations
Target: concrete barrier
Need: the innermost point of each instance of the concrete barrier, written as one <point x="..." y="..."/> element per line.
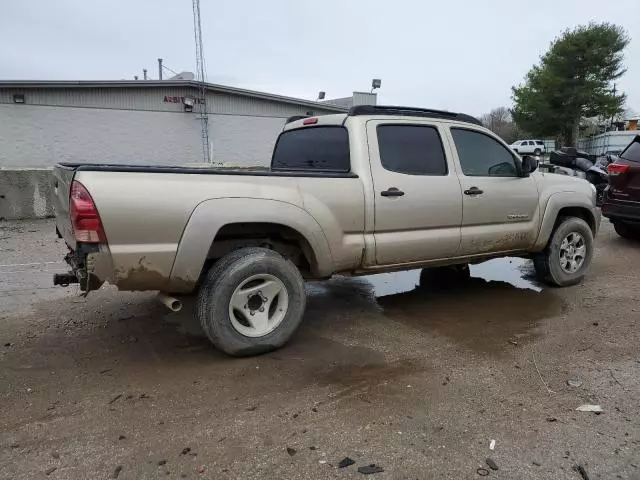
<point x="25" y="193"/>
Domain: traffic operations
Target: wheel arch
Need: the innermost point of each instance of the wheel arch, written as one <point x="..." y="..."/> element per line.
<point x="559" y="207"/>
<point x="580" y="212"/>
<point x="276" y="236"/>
<point x="238" y="221"/>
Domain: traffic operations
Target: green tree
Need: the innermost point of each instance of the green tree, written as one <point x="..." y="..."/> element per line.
<point x="573" y="80"/>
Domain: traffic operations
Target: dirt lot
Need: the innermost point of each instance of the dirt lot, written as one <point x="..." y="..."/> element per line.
<point x="417" y="382"/>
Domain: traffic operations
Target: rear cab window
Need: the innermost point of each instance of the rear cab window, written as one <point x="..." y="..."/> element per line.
<point x="318" y="149"/>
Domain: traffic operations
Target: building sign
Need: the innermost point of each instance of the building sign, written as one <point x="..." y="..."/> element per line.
<point x="174" y="99"/>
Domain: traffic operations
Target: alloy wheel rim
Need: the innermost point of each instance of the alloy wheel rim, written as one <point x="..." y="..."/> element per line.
<point x="573" y="251"/>
<point x="258" y="305"/>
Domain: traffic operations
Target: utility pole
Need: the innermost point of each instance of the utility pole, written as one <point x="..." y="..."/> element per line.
<point x="200" y="76"/>
<point x="159" y="69"/>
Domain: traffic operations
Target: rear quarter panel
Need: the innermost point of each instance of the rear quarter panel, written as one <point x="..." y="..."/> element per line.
<point x="329" y="215"/>
<point x="146" y="218"/>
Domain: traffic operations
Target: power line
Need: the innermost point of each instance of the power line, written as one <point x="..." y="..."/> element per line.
<point x="171" y="70"/>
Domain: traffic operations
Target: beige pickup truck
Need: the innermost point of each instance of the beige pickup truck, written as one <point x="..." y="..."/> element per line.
<point x="375" y="190"/>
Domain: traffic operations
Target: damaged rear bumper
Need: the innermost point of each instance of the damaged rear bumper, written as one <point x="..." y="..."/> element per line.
<point x="80" y="261"/>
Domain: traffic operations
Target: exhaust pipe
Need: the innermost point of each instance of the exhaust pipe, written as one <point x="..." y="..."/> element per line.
<point x="171" y="303"/>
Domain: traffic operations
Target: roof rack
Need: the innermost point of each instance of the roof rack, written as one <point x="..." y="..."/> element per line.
<point x="411" y="112"/>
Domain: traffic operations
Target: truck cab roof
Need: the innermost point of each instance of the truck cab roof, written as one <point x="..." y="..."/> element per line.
<point x="300" y="121"/>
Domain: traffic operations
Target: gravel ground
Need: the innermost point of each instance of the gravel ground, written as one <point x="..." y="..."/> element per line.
<point x="416" y="382"/>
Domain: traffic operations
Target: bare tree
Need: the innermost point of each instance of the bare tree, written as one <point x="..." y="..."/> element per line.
<point x="500" y="122"/>
<point x="496" y="118"/>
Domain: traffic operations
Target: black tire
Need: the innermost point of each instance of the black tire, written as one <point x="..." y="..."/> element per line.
<point x="537" y="152"/>
<point x="216" y="291"/>
<point x="444" y="277"/>
<point x="515" y="150"/>
<point x="548" y="264"/>
<point x="626" y="231"/>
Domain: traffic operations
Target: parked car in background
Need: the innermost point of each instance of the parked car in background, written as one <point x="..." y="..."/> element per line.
<point x="621" y="203"/>
<point x="528" y="147"/>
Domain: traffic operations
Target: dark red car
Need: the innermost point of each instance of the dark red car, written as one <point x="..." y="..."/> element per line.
<point x="622" y="197"/>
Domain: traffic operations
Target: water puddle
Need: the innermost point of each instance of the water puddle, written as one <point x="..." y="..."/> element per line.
<point x="395" y="282"/>
<point x="501" y="304"/>
<point x="517" y="272"/>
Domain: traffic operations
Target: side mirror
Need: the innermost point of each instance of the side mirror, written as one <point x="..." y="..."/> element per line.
<point x="529" y="164"/>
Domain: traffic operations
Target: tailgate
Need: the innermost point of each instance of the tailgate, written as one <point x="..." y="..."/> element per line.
<point x="62" y="178"/>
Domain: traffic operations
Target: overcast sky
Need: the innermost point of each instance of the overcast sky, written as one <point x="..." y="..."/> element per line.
<point x="459" y="55"/>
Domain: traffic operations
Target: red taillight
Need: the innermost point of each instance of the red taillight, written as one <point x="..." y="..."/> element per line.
<point x="87" y="227"/>
<point x="617" y="169"/>
<point x="310" y="121"/>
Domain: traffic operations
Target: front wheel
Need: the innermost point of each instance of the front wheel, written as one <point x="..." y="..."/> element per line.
<point x="537" y="152"/>
<point x="568" y="254"/>
<point x="251" y="301"/>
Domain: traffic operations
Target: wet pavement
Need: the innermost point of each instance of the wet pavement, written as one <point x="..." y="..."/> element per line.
<point x="415" y="380"/>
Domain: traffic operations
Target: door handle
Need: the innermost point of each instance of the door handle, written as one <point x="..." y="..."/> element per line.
<point x="473" y="191"/>
<point x="392" y="192"/>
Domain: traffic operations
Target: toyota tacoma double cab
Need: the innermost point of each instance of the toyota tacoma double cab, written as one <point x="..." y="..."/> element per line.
<point x="374" y="190"/>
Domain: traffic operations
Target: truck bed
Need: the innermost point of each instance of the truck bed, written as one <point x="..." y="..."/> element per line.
<point x="145" y="211"/>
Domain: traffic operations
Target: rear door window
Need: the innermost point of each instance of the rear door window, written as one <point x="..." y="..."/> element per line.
<point x="411" y="149"/>
<point x="324" y="149"/>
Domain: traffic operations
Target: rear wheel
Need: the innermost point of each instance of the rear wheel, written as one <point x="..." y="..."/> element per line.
<point x="568" y="254"/>
<point x="626" y="231"/>
<point x="251" y="301"/>
<point x="444" y="277"/>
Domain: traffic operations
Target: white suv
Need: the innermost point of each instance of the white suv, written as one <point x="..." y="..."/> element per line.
<point x="527" y="147"/>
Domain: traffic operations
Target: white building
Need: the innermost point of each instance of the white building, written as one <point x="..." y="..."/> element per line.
<point x="144" y="121"/>
<point x="607" y="142"/>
